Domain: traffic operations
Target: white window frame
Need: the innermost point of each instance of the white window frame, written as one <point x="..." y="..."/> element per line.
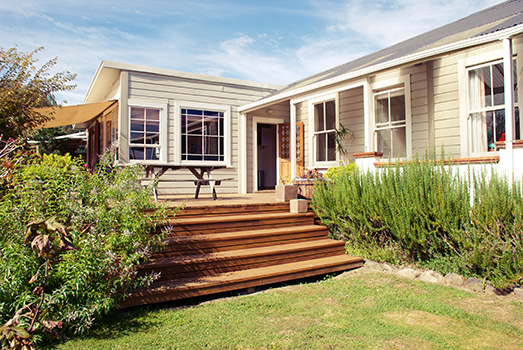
<point x="312" y="127"/>
<point x="227" y="115"/>
<point x="164" y="127"/>
<point x="464" y="67"/>
<point x="401" y="82"/>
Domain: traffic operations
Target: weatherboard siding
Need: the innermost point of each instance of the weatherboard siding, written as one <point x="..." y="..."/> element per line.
<point x="168" y="89"/>
<point x="351" y="116"/>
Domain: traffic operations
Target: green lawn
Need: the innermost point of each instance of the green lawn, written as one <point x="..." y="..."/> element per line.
<point x="356" y="310"/>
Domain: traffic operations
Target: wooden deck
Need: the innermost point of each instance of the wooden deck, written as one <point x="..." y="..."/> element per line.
<point x="238" y="243"/>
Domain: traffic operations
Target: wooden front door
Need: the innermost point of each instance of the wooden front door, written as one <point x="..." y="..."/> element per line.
<point x="284" y="153"/>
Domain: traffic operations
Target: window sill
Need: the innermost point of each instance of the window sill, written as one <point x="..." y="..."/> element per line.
<point x="367" y="155"/>
<point x="515" y="144"/>
<point x="456" y="161"/>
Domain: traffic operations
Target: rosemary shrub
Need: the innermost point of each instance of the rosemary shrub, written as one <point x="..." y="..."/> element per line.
<point x="425" y="212"/>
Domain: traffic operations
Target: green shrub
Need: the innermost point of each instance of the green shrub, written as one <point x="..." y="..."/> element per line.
<point x="421" y="213"/>
<point x="104" y="232"/>
<point x="336" y="171"/>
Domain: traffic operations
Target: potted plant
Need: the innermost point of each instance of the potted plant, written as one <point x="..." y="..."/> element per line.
<point x="306" y="182"/>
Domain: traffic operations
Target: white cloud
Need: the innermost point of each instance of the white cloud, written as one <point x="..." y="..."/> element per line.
<point x="183" y="35"/>
<point x="387" y="22"/>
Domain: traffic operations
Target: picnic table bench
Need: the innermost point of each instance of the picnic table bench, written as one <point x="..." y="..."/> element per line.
<point x="197" y="171"/>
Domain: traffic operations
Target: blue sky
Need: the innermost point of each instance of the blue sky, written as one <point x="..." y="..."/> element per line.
<point x="267" y="41"/>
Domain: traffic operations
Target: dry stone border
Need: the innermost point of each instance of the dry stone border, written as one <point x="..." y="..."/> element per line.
<point x="452" y="279"/>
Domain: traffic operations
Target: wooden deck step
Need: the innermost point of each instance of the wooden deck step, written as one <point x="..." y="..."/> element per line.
<point x="192" y="287"/>
<point x="216" y="242"/>
<point x="241" y="259"/>
<point x="223" y="248"/>
<point x="193" y="226"/>
<point x="233" y="209"/>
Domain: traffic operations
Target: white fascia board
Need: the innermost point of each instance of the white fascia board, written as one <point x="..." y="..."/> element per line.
<point x="499" y="35"/>
<point x="95" y="78"/>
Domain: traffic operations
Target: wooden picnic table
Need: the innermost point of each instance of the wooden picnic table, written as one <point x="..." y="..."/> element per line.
<point x="197" y="171"/>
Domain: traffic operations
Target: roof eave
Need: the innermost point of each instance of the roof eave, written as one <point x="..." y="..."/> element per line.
<point x="499" y="35"/>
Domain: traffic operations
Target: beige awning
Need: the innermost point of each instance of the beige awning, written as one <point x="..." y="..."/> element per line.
<point x="72" y="115"/>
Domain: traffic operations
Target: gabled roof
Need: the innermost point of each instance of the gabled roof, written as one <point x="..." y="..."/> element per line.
<point x="108" y="74"/>
<point x="479" y="25"/>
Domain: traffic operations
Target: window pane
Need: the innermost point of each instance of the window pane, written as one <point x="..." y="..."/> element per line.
<point x="330" y="115"/>
<point x="480" y="91"/>
<point x="151" y="153"/>
<point x="194" y="145"/>
<point x="137" y="137"/>
<point x="382" y="108"/>
<point x="137" y="113"/>
<point x="500" y="125"/>
<point x="194" y="112"/>
<point x="399" y="142"/>
<point x="214" y="158"/>
<point x="152" y="139"/>
<point x="489" y="119"/>
<point x="515" y="70"/>
<point x="517" y="125"/>
<point x="152" y="126"/>
<point x="397" y="106"/>
<point x="211" y="113"/>
<point x="136" y="125"/>
<point x="136" y="153"/>
<point x="498" y="84"/>
<point x="211" y="145"/>
<point x="153" y="114"/>
<point x="331" y="144"/>
<point x="479" y="132"/>
<point x="384" y="142"/>
<point x="184" y="124"/>
<point x="211" y="126"/>
<point x="320" y="147"/>
<point x="194" y="125"/>
<point x="318" y="117"/>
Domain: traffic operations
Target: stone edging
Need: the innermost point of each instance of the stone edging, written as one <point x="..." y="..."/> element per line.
<point x="452" y="279"/>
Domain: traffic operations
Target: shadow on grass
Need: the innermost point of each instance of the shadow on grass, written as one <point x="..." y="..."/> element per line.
<point x="141" y="318"/>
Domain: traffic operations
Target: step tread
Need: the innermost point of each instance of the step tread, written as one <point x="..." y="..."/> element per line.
<point x="242" y="234"/>
<point x="246" y="275"/>
<point x="233" y="208"/>
<point x="242" y="253"/>
<point x="240" y="217"/>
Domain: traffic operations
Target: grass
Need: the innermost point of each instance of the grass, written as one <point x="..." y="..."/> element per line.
<point x="356" y="310"/>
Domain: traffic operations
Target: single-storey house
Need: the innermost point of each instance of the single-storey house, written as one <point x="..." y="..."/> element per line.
<point x="449" y="87"/>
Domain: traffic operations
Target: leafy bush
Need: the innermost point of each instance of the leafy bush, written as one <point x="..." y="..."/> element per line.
<point x="81" y="271"/>
<point x="421" y="213"/>
<point x="336" y="171"/>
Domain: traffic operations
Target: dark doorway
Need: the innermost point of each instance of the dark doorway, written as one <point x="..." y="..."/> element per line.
<point x="266" y="156"/>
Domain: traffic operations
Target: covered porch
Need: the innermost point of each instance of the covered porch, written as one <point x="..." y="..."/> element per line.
<point x="303" y="134"/>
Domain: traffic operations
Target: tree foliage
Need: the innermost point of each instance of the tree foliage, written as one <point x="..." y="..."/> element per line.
<point x="23" y="87"/>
